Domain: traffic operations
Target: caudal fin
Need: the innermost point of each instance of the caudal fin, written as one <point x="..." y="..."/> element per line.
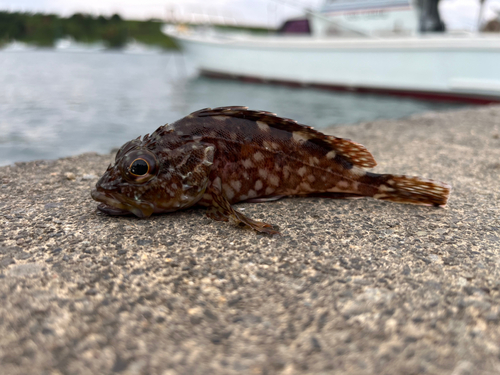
<point x="414" y="190"/>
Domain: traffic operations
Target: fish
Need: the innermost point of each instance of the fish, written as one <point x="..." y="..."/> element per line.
<point x="218" y="157"/>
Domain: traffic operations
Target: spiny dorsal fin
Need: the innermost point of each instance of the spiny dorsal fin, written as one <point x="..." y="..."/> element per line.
<point x="269" y="118"/>
<point x="354" y="152"/>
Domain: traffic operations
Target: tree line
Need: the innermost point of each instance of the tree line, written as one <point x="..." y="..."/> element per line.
<point x="45" y="29"/>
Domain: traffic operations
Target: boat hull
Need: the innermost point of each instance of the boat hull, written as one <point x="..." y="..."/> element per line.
<point x="455" y="68"/>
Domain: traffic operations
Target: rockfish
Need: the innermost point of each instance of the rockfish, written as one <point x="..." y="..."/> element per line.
<point x="218" y="157"/>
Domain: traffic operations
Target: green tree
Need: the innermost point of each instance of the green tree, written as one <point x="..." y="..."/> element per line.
<point x="45" y="29"/>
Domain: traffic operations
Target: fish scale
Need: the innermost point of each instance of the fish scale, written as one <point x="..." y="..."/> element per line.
<point x="218" y="157"/>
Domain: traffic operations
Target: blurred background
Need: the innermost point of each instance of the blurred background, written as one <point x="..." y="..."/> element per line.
<point x="89" y="75"/>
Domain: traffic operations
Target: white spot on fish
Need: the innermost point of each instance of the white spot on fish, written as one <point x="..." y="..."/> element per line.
<point x="263" y="126"/>
<point x="236" y="185"/>
<point x="305" y="186"/>
<point x="220" y="118"/>
<point x="300" y="136"/>
<point x="269" y="190"/>
<point x="343" y="185"/>
<point x="258" y="185"/>
<point x="263" y="173"/>
<point x="174" y="186"/>
<point x="258" y="156"/>
<point x="313" y="160"/>
<point x="252" y="194"/>
<point x="228" y="191"/>
<point x="358" y="171"/>
<point x="331" y="155"/>
<point x="384" y="188"/>
<point x="311" y="178"/>
<point x="247" y="163"/>
<point x="302" y="171"/>
<point x="273" y="179"/>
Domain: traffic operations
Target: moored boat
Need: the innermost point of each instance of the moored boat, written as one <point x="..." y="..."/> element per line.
<point x="386" y="54"/>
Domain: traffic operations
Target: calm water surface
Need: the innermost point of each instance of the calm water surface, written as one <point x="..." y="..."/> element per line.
<point x="55" y="104"/>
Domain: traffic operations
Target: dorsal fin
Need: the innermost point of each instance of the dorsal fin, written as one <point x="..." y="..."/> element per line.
<point x="354" y="152"/>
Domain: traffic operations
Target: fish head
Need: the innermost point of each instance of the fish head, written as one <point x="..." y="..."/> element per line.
<point x="147" y="179"/>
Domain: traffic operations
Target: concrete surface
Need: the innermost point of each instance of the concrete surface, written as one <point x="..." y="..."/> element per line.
<point x="351" y="287"/>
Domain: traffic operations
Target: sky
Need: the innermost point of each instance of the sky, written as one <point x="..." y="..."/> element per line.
<point x="457" y="14"/>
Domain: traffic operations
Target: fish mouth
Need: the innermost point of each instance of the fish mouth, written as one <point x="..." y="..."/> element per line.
<point x="115" y="206"/>
<point x="113" y="211"/>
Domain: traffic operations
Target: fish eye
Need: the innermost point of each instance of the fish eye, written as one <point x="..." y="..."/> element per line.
<point x="139" y="167"/>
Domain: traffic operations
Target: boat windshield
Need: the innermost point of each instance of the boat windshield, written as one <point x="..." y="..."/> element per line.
<point x="353" y="5"/>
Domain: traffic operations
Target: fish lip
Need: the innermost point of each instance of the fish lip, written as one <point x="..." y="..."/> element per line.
<point x="110" y="205"/>
<point x="113" y="211"/>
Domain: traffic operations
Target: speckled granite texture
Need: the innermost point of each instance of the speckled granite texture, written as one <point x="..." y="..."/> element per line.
<point x="351" y="287"/>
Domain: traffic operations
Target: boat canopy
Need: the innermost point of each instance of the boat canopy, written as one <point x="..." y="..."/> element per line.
<point x="376" y="17"/>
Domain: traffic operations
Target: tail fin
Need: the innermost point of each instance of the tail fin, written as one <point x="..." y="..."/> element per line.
<point x="414" y="190"/>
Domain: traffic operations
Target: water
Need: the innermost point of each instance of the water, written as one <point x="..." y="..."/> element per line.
<point x="55" y="104"/>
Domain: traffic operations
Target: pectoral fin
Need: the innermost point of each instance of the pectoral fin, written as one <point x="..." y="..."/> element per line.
<point x="221" y="210"/>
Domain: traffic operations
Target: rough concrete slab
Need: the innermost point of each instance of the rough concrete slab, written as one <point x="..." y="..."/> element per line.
<point x="351" y="287"/>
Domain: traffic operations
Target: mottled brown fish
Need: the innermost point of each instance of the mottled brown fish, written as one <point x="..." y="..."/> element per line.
<point x="221" y="156"/>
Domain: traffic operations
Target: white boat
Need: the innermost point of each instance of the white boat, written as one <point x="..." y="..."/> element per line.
<point x="365" y="46"/>
<point x="136" y="48"/>
<point x="70" y="45"/>
<point x="16" y="46"/>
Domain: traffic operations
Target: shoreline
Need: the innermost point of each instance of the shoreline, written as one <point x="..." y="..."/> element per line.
<point x="351" y="286"/>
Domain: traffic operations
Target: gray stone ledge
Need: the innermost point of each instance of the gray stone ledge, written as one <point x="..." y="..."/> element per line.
<point x="351" y="287"/>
